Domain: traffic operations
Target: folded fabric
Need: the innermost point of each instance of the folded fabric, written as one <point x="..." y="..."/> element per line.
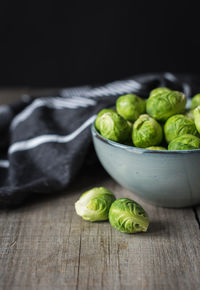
<point x="44" y="140"/>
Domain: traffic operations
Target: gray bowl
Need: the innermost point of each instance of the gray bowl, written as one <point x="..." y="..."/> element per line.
<point x="163" y="178"/>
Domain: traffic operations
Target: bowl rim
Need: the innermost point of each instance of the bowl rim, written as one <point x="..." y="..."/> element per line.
<point x="128" y="148"/>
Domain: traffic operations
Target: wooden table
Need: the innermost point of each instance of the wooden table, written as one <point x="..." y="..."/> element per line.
<point x="45" y="245"/>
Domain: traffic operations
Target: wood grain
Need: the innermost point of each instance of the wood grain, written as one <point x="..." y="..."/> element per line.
<point x="197" y="214"/>
<point x="45" y="245"/>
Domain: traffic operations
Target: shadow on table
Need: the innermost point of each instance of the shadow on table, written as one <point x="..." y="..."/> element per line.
<point x="156" y="227"/>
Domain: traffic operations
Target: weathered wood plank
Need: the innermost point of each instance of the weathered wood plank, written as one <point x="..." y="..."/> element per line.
<point x="45" y="245"/>
<point x="197" y="215"/>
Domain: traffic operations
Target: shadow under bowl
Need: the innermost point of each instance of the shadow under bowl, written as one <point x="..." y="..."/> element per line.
<point x="163" y="178"/>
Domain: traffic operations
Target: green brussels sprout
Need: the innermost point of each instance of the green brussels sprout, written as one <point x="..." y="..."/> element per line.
<point x="146" y="132"/>
<point x="189" y="113"/>
<point x="94" y="205"/>
<point x="156" y="148"/>
<point x="113" y="127"/>
<point x="130" y="107"/>
<point x="127" y="216"/>
<point x="130" y="125"/>
<point x="184" y="142"/>
<point x="164" y="103"/>
<point x="178" y="125"/>
<point x="159" y="91"/>
<point x="99" y="116"/>
<point x="196" y="114"/>
<point x="195" y="101"/>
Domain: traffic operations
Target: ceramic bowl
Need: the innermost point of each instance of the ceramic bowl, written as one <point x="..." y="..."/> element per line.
<point x="163" y="178"/>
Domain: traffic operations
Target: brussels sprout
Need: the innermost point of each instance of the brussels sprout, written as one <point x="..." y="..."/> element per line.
<point x="94" y="205"/>
<point x="184" y="142"/>
<point x="156" y="148"/>
<point x="195" y="101"/>
<point x="130" y="125"/>
<point x="146" y="132"/>
<point x="189" y="114"/>
<point x="164" y="103"/>
<point x="178" y="125"/>
<point x="113" y="127"/>
<point x="99" y="116"/>
<point x="159" y="91"/>
<point x="130" y="107"/>
<point x="196" y="114"/>
<point x="127" y="216"/>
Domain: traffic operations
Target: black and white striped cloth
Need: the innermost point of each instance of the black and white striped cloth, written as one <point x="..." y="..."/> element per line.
<point x="44" y="141"/>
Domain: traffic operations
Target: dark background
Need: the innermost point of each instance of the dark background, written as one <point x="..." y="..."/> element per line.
<point x="75" y="44"/>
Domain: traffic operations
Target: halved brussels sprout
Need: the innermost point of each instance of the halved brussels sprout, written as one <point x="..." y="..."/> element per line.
<point x="195" y="101"/>
<point x="127" y="216"/>
<point x="146" y="132"/>
<point x="185" y="142"/>
<point x="196" y="115"/>
<point x="97" y="125"/>
<point x="94" y="205"/>
<point x="114" y="127"/>
<point x="178" y="125"/>
<point x="130" y="107"/>
<point x="164" y="103"/>
<point x="156" y="148"/>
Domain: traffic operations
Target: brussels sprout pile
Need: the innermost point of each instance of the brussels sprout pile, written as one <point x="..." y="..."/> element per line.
<point x="124" y="214"/>
<point x="160" y="122"/>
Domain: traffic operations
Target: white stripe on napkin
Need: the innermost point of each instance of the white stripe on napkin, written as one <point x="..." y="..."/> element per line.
<point x="51" y="102"/>
<point x="36" y="141"/>
<point x="4" y="163"/>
